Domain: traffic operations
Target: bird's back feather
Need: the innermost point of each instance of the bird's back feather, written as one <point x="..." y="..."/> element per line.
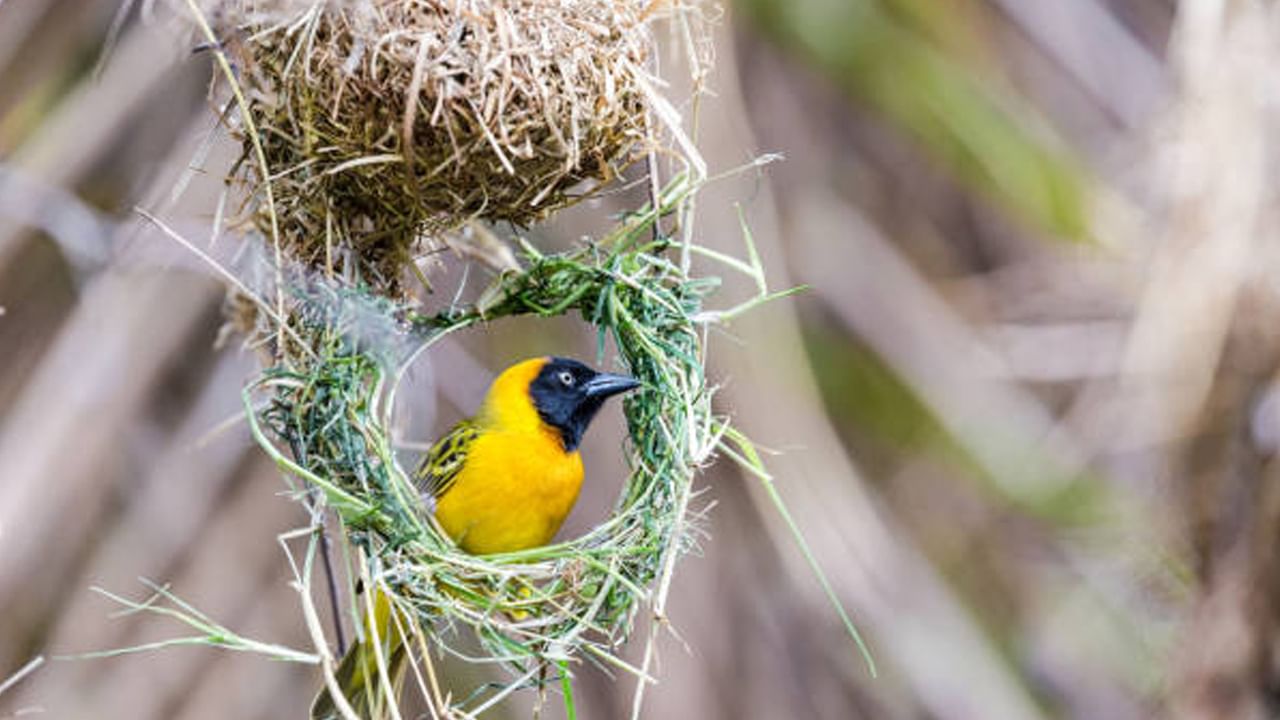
<point x="442" y="463"/>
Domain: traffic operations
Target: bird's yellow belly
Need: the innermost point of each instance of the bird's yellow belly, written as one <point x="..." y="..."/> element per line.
<point x="513" y="493"/>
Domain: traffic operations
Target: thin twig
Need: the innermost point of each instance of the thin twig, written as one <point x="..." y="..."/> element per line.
<point x="332" y="585"/>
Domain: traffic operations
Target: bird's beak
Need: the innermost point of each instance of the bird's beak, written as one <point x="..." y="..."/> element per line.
<point x="604" y="385"/>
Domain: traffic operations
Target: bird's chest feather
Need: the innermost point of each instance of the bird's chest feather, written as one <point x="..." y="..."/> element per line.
<point x="513" y="492"/>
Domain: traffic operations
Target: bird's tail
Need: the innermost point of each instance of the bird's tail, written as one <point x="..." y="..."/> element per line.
<point x="358" y="676"/>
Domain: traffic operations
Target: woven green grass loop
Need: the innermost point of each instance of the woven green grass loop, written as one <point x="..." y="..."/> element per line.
<point x="329" y="412"/>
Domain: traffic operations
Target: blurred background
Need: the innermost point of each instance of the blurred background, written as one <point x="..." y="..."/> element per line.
<point x="1026" y="411"/>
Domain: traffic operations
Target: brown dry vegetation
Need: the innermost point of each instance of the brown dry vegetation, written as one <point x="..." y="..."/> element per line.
<point x="519" y="111"/>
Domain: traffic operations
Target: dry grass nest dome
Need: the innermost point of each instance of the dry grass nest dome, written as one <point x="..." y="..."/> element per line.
<point x="384" y="122"/>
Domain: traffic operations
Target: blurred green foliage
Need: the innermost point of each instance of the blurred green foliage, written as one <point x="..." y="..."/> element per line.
<point x="899" y="57"/>
<point x="878" y="413"/>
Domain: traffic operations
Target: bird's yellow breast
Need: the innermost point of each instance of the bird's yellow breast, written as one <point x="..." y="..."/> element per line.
<point x="513" y="493"/>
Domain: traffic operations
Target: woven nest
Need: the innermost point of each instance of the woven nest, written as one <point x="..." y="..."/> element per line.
<point x="370" y="127"/>
<point x="386" y="122"/>
<point x="324" y="417"/>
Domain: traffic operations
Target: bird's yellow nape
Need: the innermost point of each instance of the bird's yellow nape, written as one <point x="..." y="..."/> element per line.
<point x="508" y="404"/>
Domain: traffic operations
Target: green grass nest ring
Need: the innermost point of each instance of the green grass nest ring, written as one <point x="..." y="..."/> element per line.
<point x="326" y="415"/>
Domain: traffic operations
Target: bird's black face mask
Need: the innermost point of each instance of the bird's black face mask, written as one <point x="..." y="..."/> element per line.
<point x="568" y="395"/>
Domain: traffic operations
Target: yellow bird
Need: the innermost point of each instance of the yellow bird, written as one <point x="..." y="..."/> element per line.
<point x="501" y="481"/>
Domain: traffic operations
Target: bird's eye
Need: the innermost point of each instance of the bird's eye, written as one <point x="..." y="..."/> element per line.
<point x="566" y="378"/>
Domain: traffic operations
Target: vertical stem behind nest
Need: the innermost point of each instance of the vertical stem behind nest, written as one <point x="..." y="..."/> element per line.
<point x="332" y="587"/>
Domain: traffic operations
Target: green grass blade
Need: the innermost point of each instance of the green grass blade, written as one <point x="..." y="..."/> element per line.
<point x="747" y="457"/>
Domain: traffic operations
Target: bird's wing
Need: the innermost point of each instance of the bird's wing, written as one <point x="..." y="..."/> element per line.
<point x="443" y="461"/>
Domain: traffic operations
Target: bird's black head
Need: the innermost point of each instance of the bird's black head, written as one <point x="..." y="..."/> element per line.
<point x="568" y="395"/>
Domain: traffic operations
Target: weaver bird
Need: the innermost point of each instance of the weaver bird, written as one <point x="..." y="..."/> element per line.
<point x="500" y="481"/>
